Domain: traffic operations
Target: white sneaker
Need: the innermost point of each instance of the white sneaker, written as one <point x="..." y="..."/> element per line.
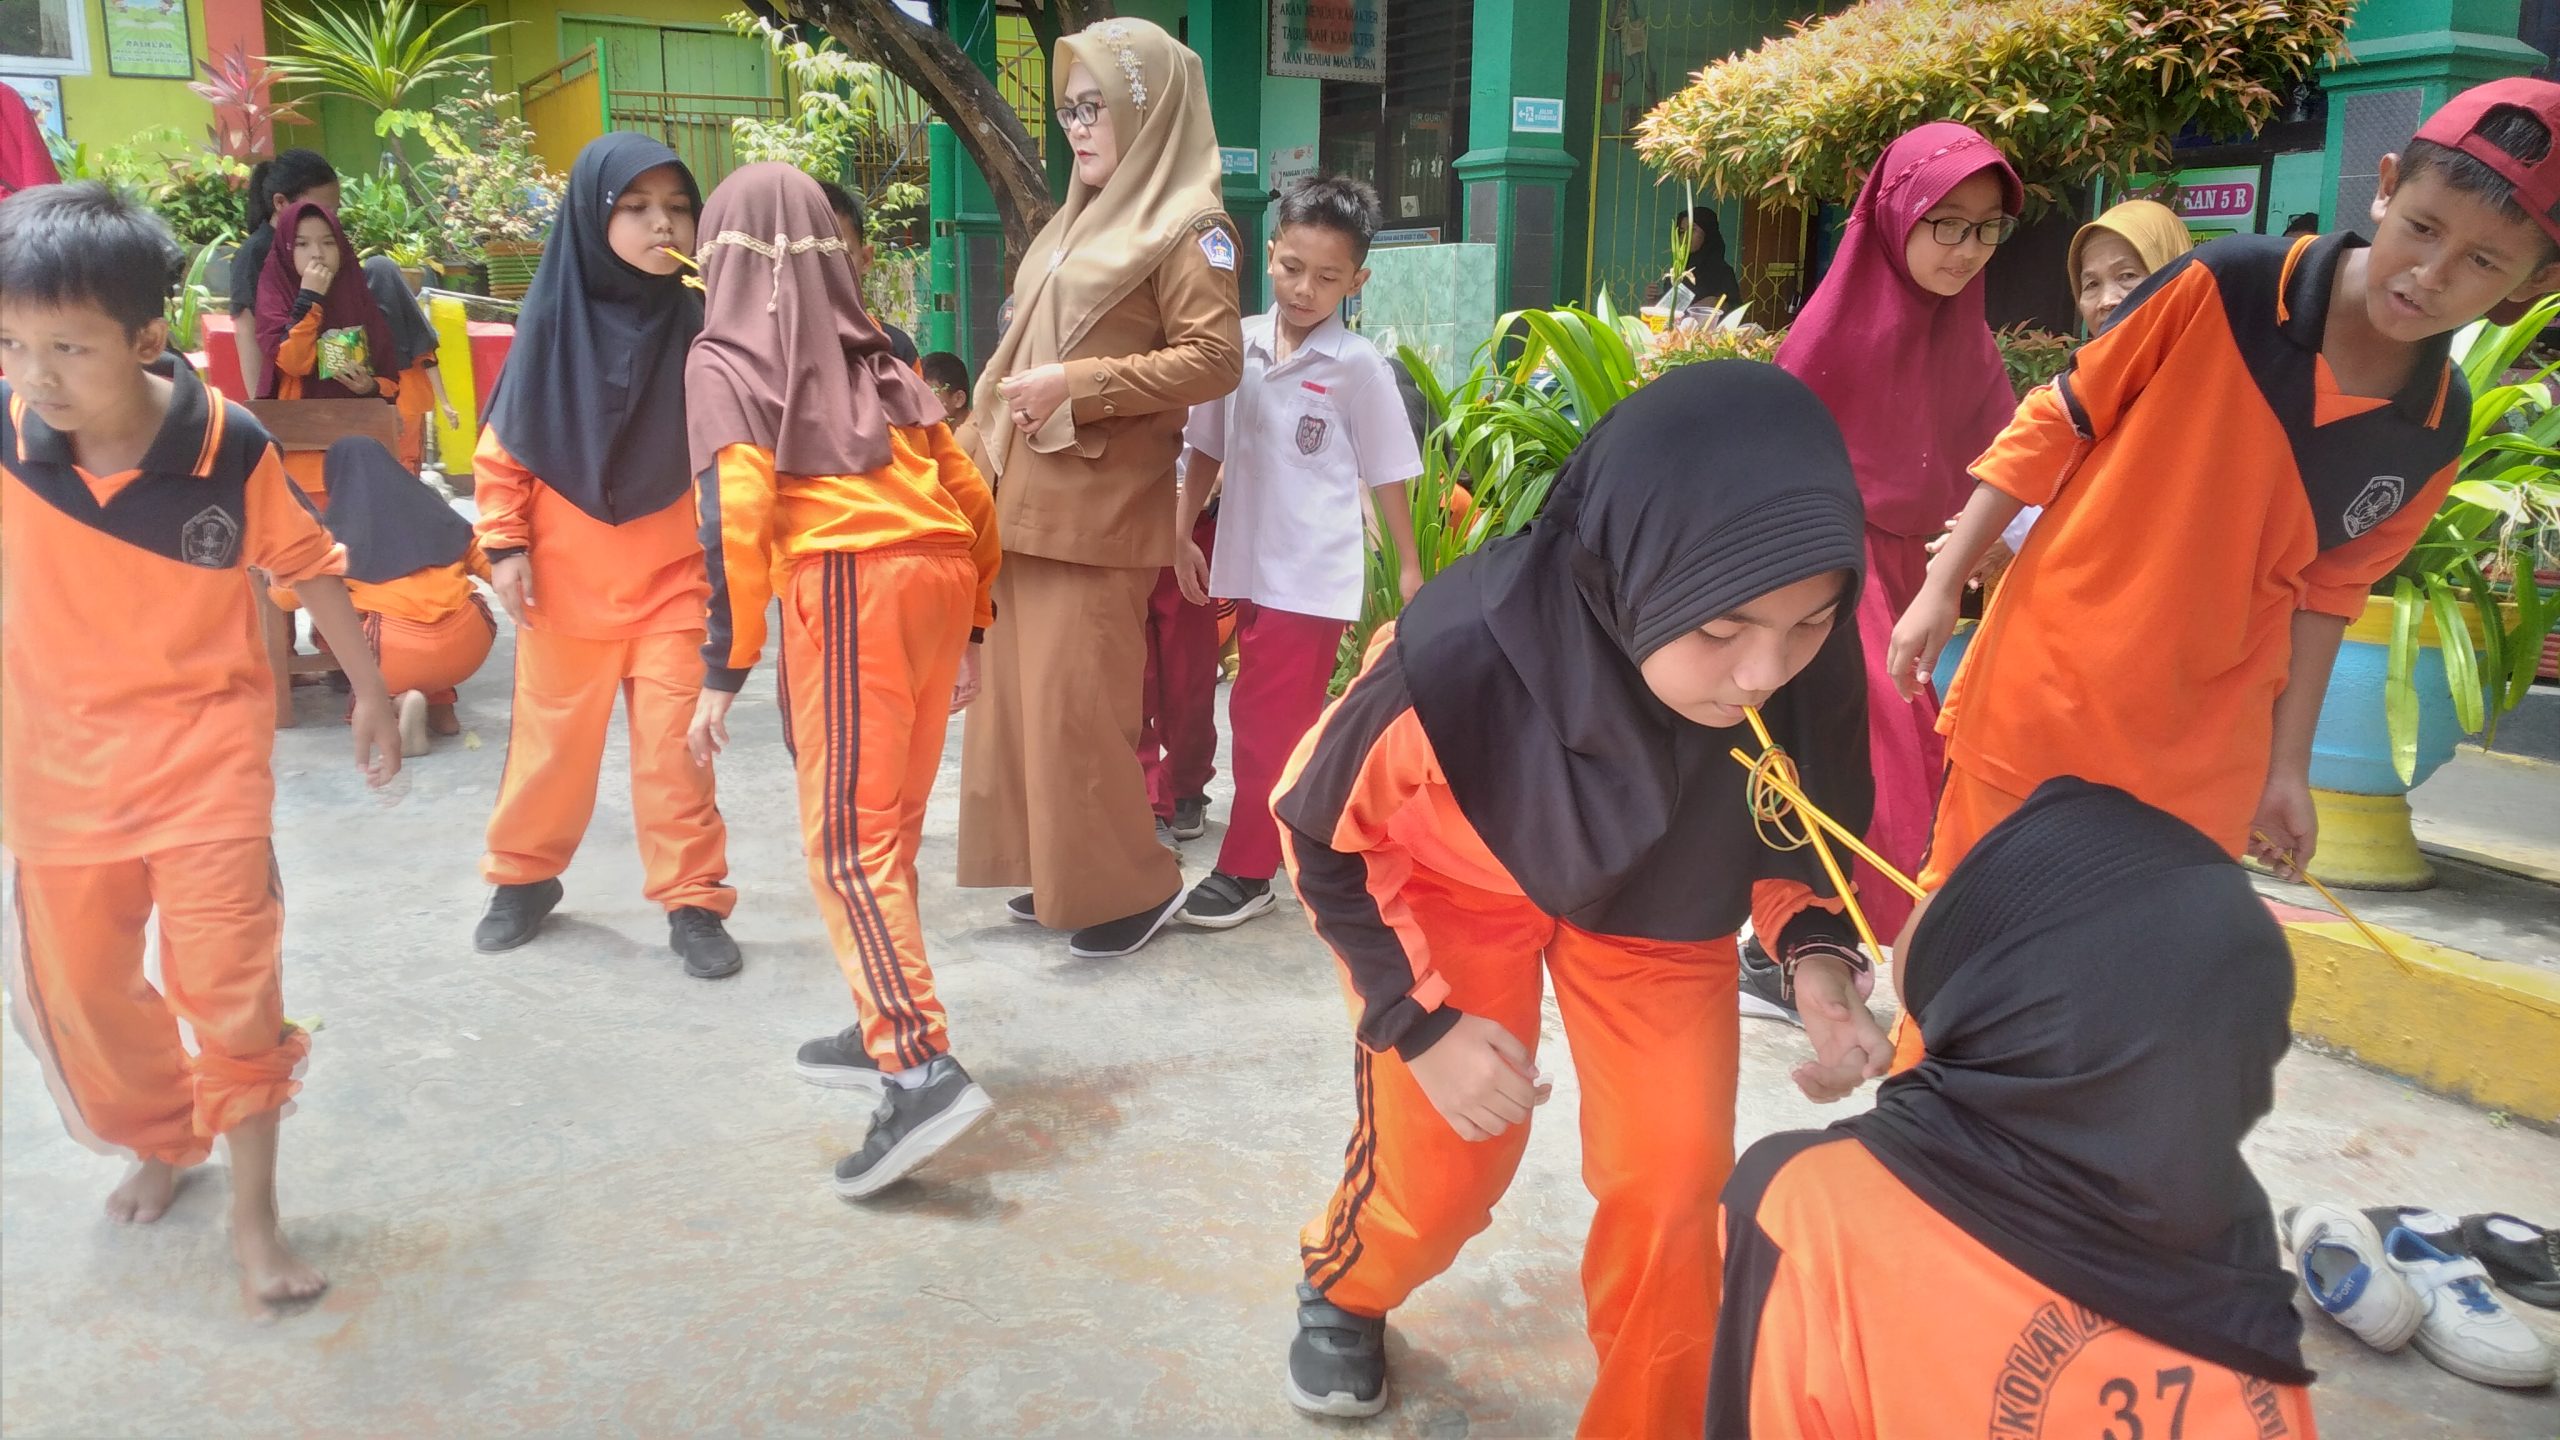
<point x="2466" y="1330"/>
<point x="2341" y="1262"/>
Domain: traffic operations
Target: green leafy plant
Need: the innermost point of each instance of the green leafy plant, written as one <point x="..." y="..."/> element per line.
<point x="894" y="290"/>
<point x="481" y="185"/>
<point x="377" y="53"/>
<point x="1732" y="337"/>
<point x="195" y="194"/>
<point x="833" y="105"/>
<point x="2069" y="89"/>
<point x="2471" y="574"/>
<point x="194" y="297"/>
<point x="2033" y="355"/>
<point x="376" y="211"/>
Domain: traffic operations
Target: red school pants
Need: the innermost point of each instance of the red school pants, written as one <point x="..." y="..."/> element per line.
<point x="1284" y="663"/>
<point x="1178" y="738"/>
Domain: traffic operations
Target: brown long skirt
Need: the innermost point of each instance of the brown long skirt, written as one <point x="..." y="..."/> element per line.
<point x="1051" y="796"/>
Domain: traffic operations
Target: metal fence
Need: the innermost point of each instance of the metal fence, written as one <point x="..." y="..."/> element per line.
<point x="696" y="127"/>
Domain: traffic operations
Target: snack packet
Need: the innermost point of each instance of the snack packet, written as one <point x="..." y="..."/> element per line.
<point x="343" y="351"/>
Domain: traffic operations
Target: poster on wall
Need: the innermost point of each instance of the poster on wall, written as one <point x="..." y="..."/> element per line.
<point x="43" y="37"/>
<point x="1330" y="39"/>
<point x="148" y="39"/>
<point x="43" y="94"/>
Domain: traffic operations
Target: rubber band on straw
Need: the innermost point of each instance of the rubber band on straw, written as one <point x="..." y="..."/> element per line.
<point x="1773" y="795"/>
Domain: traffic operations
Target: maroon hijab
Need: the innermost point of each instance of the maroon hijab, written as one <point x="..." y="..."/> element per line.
<point x="1912" y="377"/>
<point x="349" y="302"/>
<point x="788" y="359"/>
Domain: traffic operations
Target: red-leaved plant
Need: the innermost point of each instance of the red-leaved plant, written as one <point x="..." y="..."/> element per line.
<point x="241" y="90"/>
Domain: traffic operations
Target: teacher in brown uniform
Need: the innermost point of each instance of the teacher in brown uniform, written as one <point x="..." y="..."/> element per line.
<point x="1124" y="317"/>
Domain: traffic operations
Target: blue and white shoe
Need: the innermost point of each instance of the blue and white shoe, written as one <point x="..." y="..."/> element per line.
<point x="2341" y="1261"/>
<point x="2465" y="1329"/>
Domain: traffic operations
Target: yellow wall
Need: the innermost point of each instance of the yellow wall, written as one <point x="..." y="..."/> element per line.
<point x="101" y="109"/>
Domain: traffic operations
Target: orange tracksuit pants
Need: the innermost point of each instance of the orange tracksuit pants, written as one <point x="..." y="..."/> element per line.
<point x="565" y="689"/>
<point x="1655" y="1037"/>
<point x="871" y="645"/>
<point x="109" y="1042"/>
<point x="431" y="655"/>
<point x="1969" y="807"/>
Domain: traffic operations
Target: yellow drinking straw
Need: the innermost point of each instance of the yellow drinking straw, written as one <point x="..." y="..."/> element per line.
<point x="2370" y="934"/>
<point x="1774" y="792"/>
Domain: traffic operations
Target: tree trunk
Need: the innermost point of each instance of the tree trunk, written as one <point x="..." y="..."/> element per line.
<point x="933" y="65"/>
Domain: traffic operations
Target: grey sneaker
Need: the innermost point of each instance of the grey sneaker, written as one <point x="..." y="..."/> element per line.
<point x="1165" y="836"/>
<point x="699" y="936"/>
<point x="911" y="1127"/>
<point x="1763" y="989"/>
<point x="839" y="1062"/>
<point x="1222" y="902"/>
<point x="515" y="915"/>
<point x="1191" y="818"/>
<point x="1338" y="1361"/>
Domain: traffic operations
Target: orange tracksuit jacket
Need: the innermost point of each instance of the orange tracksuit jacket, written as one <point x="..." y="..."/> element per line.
<point x="430" y="629"/>
<point x="883" y="578"/>
<point x="137" y="725"/>
<point x="1853" y="1311"/>
<point x="1427" y="925"/>
<point x="616" y="611"/>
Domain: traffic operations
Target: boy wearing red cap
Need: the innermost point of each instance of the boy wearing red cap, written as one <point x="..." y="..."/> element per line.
<point x="2260" y="434"/>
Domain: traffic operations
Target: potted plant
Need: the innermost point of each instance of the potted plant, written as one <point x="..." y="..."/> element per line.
<point x="489" y="198"/>
<point x="2451" y="638"/>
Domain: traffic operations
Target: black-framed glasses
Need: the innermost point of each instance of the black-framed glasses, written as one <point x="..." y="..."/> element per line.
<point x="1952" y="231"/>
<point x="1086" y="113"/>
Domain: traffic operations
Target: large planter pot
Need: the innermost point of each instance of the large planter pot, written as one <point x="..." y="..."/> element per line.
<point x="1944" y="677"/>
<point x="2365" y="839"/>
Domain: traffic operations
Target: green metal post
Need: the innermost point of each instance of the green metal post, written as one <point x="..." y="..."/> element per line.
<point x="2405" y="59"/>
<point x="1516" y="163"/>
<point x="1232" y="38"/>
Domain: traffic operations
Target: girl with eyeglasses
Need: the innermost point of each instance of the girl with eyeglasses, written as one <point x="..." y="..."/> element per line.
<point x="1895" y="343"/>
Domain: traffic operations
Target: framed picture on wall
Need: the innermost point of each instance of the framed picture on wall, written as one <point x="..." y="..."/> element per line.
<point x="43" y="94"/>
<point x="148" y="39"/>
<point x="43" y="37"/>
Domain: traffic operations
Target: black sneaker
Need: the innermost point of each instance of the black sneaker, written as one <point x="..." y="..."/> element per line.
<point x="839" y="1062"/>
<point x="515" y="912"/>
<point x="1763" y="986"/>
<point x="1020" y="908"/>
<point x="698" y="936"/>
<point x="1191" y="818"/>
<point x="1338" y="1362"/>
<point x="1222" y="902"/>
<point x="1125" y="936"/>
<point x="2442" y="1231"/>
<point x="911" y="1126"/>
<point x="1165" y="836"/>
<point x="2522" y="1257"/>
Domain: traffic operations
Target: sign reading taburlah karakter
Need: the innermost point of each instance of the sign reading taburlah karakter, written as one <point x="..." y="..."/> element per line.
<point x="1330" y="39"/>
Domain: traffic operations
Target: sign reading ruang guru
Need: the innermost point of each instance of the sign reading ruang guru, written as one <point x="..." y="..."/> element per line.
<point x="1330" y="39"/>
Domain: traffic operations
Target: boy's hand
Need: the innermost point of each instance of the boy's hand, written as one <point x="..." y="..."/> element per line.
<point x="1479" y="1078"/>
<point x="1034" y="395"/>
<point x="1191" y="571"/>
<point x="451" y="417"/>
<point x="1410" y="579"/>
<point x="1849" y="1047"/>
<point x="377" y="733"/>
<point x="964" y="687"/>
<point x="1918" y="636"/>
<point x="512" y="578"/>
<point x="2287" y="828"/>
<point x="708" y="735"/>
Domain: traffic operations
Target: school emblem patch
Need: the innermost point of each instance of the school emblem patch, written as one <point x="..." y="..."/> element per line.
<point x="210" y="540"/>
<point x="1220" y="250"/>
<point x="2378" y="501"/>
<point x="1311" y="432"/>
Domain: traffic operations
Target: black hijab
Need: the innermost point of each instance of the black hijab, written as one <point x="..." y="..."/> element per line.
<point x="592" y="397"/>
<point x="390" y="521"/>
<point x="412" y="338"/>
<point x="1701" y="492"/>
<point x="2105" y="999"/>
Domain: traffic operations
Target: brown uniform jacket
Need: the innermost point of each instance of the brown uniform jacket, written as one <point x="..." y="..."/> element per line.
<point x="1175" y="342"/>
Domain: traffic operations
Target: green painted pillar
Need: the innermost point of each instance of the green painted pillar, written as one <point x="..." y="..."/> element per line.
<point x="1232" y="38"/>
<point x="1516" y="167"/>
<point x="942" y="251"/>
<point x="2405" y="59"/>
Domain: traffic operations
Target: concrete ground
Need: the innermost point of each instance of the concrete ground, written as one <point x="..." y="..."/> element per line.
<point x="569" y="1191"/>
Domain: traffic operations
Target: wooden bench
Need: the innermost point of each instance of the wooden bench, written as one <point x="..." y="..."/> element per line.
<point x="300" y="427"/>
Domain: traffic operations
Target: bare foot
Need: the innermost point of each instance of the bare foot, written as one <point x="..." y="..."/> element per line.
<point x="271" y="1275"/>
<point x="443" y="720"/>
<point x="413" y="724"/>
<point x="145" y="1194"/>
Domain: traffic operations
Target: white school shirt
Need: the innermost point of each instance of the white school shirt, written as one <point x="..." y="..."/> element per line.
<point x="1297" y="439"/>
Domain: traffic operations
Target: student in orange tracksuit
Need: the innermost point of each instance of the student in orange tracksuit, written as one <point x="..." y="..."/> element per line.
<point x="1532" y="772"/>
<point x="586" y="513"/>
<point x="2261" y="433"/>
<point x="410" y="564"/>
<point x="819" y="449"/>
<point x="416" y="381"/>
<point x="137" y="719"/>
<point x="2049" y="1227"/>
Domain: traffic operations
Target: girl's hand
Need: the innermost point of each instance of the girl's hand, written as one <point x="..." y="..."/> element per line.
<point x="1479" y="1077"/>
<point x="1034" y="395"/>
<point x="319" y="275"/>
<point x="1918" y="636"/>
<point x="1849" y="1047"/>
<point x="512" y="578"/>
<point x="376" y="724"/>
<point x="2286" y="829"/>
<point x="964" y="688"/>
<point x="356" y="378"/>
<point x="709" y="733"/>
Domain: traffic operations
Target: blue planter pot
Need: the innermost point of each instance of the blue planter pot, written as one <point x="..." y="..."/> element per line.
<point x="1944" y="677"/>
<point x="2351" y="751"/>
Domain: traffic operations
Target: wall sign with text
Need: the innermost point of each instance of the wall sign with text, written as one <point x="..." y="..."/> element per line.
<point x="1537" y="117"/>
<point x="149" y="40"/>
<point x="1330" y="39"/>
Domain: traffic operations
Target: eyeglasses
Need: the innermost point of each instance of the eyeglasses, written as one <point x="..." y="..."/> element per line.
<point x="1951" y="231"/>
<point x="1086" y="114"/>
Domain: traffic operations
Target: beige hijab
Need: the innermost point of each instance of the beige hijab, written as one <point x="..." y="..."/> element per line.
<point x="2153" y="230"/>
<point x="1103" y="244"/>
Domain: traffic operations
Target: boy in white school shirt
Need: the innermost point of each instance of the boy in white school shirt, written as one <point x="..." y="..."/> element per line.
<point x="1316" y="418"/>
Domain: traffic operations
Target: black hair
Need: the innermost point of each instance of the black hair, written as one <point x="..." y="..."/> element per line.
<point x="2306" y="223"/>
<point x="291" y="173"/>
<point x="2510" y="128"/>
<point x="1337" y="203"/>
<point x="845" y="203"/>
<point x="942" y="368"/>
<point x="1706" y="228"/>
<point x="87" y="244"/>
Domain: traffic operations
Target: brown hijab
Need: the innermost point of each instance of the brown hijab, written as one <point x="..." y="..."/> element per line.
<point x="788" y="359"/>
<point x="1103" y="244"/>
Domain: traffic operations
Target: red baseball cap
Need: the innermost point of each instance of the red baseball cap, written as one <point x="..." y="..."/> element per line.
<point x="2536" y="182"/>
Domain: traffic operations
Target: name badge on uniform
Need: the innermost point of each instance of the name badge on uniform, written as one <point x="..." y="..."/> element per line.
<point x="1220" y="250"/>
